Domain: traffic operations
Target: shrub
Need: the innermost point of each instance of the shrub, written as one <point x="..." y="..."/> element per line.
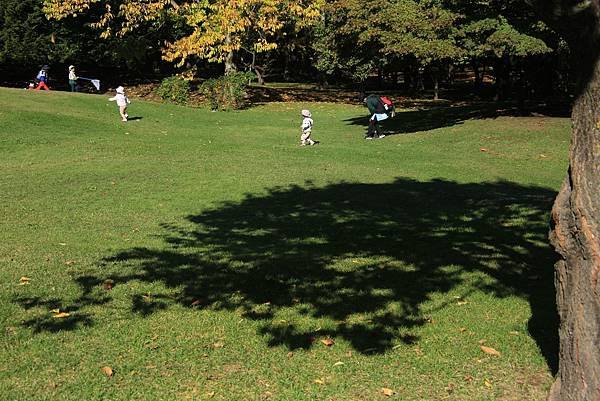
<point x="174" y="89"/>
<point x="227" y="92"/>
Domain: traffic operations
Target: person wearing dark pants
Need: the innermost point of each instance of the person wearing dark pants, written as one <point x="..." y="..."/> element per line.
<point x="378" y="113"/>
<point x="72" y="78"/>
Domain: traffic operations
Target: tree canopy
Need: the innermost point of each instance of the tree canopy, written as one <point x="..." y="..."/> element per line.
<point x="215" y="30"/>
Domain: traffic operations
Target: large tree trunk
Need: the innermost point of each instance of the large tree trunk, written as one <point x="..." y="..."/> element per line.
<point x="576" y="236"/>
<point x="576" y="225"/>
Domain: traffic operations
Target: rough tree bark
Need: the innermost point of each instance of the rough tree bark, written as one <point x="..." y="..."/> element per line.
<point x="576" y="213"/>
<point x="229" y="65"/>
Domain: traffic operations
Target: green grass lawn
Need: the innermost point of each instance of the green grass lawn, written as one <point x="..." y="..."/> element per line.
<point x="206" y="255"/>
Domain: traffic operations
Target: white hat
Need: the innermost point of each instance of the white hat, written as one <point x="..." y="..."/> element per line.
<point x="71" y="67"/>
<point x="120" y="89"/>
<point x="306" y="113"/>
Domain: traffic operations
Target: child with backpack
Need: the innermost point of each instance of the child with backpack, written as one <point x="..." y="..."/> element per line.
<point x="42" y="79"/>
<point x="306" y="127"/>
<point x="122" y="102"/>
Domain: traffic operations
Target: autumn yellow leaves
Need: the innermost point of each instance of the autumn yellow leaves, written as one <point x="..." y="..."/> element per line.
<point x="217" y="29"/>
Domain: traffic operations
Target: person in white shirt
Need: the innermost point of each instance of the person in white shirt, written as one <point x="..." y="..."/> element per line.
<point x="72" y="78"/>
<point x="307" y="124"/>
<point x="122" y="102"/>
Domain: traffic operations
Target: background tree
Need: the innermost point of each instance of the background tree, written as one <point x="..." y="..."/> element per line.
<point x="357" y="37"/>
<point x="28" y="40"/>
<point x="422" y="33"/>
<point x="346" y="43"/>
<point x="218" y="30"/>
<point x="576" y="212"/>
<point x="504" y="35"/>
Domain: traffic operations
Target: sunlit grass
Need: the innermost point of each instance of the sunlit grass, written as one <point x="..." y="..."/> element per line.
<point x="207" y="256"/>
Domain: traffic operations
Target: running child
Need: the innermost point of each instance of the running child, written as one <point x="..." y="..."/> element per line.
<point x="122" y="102"/>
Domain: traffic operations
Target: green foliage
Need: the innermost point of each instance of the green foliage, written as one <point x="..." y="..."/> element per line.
<point x="358" y="36"/>
<point x="26" y="35"/>
<point x="227" y="92"/>
<point x="497" y="37"/>
<point x="174" y="89"/>
<point x="344" y="44"/>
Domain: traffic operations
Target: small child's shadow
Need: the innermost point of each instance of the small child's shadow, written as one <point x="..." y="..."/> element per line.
<point x="133" y="118"/>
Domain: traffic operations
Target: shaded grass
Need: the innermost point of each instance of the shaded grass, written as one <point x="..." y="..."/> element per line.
<point x="233" y="253"/>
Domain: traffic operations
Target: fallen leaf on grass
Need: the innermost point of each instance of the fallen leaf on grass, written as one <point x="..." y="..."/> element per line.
<point x="196" y="302"/>
<point x="489" y="350"/>
<point x="328" y="342"/>
<point x="218" y="344"/>
<point x="107" y="370"/>
<point x="24" y="281"/>
<point x="61" y="315"/>
<point x="320" y="381"/>
<point x="487" y="383"/>
<point x="388" y="392"/>
<point x="69" y="262"/>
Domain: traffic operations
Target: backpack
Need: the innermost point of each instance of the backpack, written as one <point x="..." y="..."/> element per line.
<point x="388" y="105"/>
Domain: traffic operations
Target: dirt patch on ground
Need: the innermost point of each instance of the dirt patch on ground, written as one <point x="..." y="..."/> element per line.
<point x="528" y="386"/>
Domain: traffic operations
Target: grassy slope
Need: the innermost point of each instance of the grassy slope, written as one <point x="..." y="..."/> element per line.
<point x="408" y="252"/>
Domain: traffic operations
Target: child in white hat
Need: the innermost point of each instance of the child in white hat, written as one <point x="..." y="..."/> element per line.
<point x="72" y="78"/>
<point x="307" y="124"/>
<point x="122" y="102"/>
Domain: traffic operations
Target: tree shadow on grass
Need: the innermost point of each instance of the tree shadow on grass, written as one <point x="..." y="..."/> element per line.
<point x="440" y="115"/>
<point x="47" y="321"/>
<point x="362" y="259"/>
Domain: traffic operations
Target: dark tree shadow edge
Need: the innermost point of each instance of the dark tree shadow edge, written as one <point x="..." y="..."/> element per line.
<point x="430" y="117"/>
<point x="366" y="256"/>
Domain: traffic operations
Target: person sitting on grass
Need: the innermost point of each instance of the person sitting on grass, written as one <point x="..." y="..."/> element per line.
<point x="122" y="102"/>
